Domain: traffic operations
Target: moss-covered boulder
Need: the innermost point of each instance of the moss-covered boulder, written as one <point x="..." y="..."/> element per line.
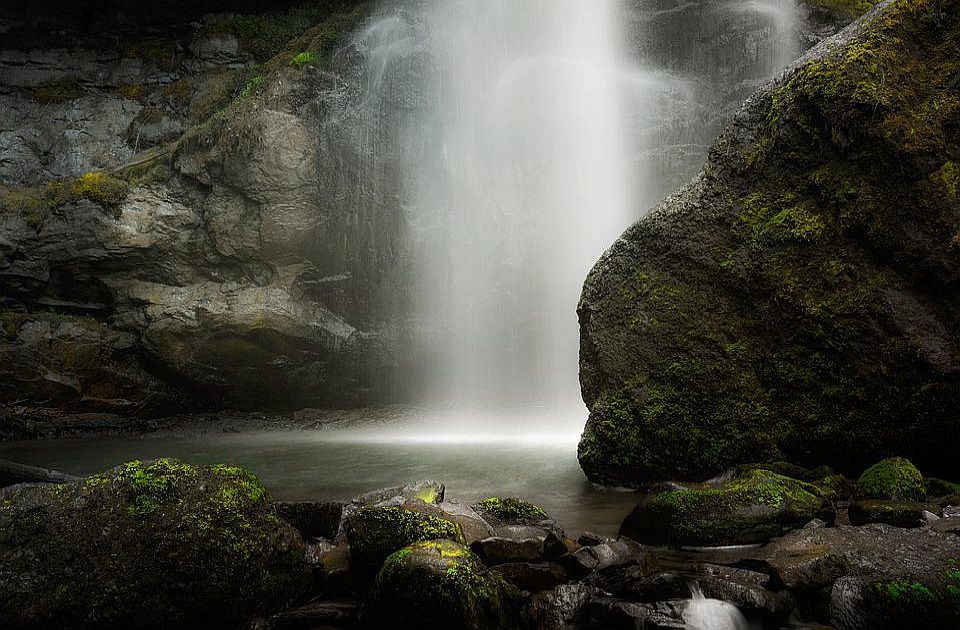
<point x="798" y="299"/>
<point x="940" y="488"/>
<point x="892" y="478"/>
<point x="891" y="512"/>
<point x="751" y="508"/>
<point x="376" y="532"/>
<point x="510" y="511"/>
<point x="158" y="544"/>
<point x="440" y="584"/>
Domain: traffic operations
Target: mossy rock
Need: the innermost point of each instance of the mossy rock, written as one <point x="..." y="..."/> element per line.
<point x="510" y="511"/>
<point x="924" y="602"/>
<point x="440" y="584"/>
<point x="376" y="532"/>
<point x="796" y="300"/>
<point x="893" y="478"/>
<point x="891" y="512"/>
<point x="145" y="545"/>
<point x="939" y="488"/>
<point x="751" y="508"/>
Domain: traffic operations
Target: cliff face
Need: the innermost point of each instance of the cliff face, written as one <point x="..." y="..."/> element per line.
<point x="799" y="298"/>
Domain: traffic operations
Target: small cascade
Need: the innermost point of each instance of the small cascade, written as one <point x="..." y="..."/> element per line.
<point x="712" y="614"/>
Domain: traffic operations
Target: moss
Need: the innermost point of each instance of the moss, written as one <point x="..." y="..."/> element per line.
<point x="303" y="59"/>
<point x="892" y="512"/>
<point x="66" y="89"/>
<point x="376" y="532"/>
<point x="825" y="220"/>
<point x="112" y="541"/>
<point x="510" y="509"/>
<point x="100" y="187"/>
<point x="440" y="584"/>
<point x="753" y="507"/>
<point x="892" y="478"/>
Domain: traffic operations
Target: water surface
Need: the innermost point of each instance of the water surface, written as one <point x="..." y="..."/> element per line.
<point x="319" y="465"/>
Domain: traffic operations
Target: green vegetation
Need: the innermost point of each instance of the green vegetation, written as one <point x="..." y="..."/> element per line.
<point x="303" y="59"/>
<point x="150" y="538"/>
<point x="510" y="509"/>
<point x="37" y="203"/>
<point x="753" y="507"/>
<point x="440" y="584"/>
<point x="376" y="532"/>
<point x="893" y="478"/>
<point x="824" y="232"/>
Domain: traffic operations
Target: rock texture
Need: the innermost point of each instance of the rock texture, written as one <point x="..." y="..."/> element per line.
<point x="148" y="541"/>
<point x="798" y="298"/>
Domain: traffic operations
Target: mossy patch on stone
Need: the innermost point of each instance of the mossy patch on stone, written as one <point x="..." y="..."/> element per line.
<point x="510" y="510"/>
<point x="376" y="532"/>
<point x="753" y="507"/>
<point x="36" y="203"/>
<point x="892" y="478"/>
<point x="147" y="540"/>
<point x="892" y="512"/>
<point x="440" y="584"/>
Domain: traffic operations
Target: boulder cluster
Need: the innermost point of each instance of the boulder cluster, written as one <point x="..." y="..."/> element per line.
<point x="150" y="544"/>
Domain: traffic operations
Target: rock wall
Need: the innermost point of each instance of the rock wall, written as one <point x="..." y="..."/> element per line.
<point x="798" y="299"/>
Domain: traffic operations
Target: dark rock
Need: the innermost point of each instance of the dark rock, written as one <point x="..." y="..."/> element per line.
<point x="147" y="544"/>
<point x="338" y="614"/>
<point x="520" y="543"/>
<point x="938" y="488"/>
<point x="473" y="526"/>
<point x="376" y="532"/>
<point x="331" y="564"/>
<point x="602" y="613"/>
<point x="532" y="576"/>
<point x="887" y="603"/>
<point x="12" y="473"/>
<point x="716" y="330"/>
<point x="439" y="584"/>
<point x="560" y="608"/>
<point x="588" y="539"/>
<point x="312" y="518"/>
<point x="610" y="554"/>
<point x="751" y="508"/>
<point x="428" y="491"/>
<point x="898" y="513"/>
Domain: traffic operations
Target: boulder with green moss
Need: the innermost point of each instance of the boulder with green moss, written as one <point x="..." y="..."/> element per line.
<point x="440" y="584"/>
<point x="797" y="299"/>
<point x="510" y="511"/>
<point x="146" y="545"/>
<point x="892" y="512"/>
<point x="376" y="532"/>
<point x="892" y="478"/>
<point x="751" y="508"/>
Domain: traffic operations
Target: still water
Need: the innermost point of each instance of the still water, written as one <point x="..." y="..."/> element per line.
<point x="320" y="465"/>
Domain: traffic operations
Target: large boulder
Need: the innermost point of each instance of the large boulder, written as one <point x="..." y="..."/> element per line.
<point x="797" y="299"/>
<point x="440" y="584"/>
<point x="751" y="508"/>
<point x="146" y="545"/>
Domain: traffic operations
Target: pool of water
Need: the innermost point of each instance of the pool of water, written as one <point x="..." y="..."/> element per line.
<point x="320" y="465"/>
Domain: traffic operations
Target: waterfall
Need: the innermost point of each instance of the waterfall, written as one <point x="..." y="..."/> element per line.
<point x="524" y="186"/>
<point x="712" y="614"/>
<point x="529" y="135"/>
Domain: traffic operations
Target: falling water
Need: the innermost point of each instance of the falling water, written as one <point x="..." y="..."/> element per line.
<point x="525" y="186"/>
<point x="712" y="614"/>
<point x="530" y="134"/>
